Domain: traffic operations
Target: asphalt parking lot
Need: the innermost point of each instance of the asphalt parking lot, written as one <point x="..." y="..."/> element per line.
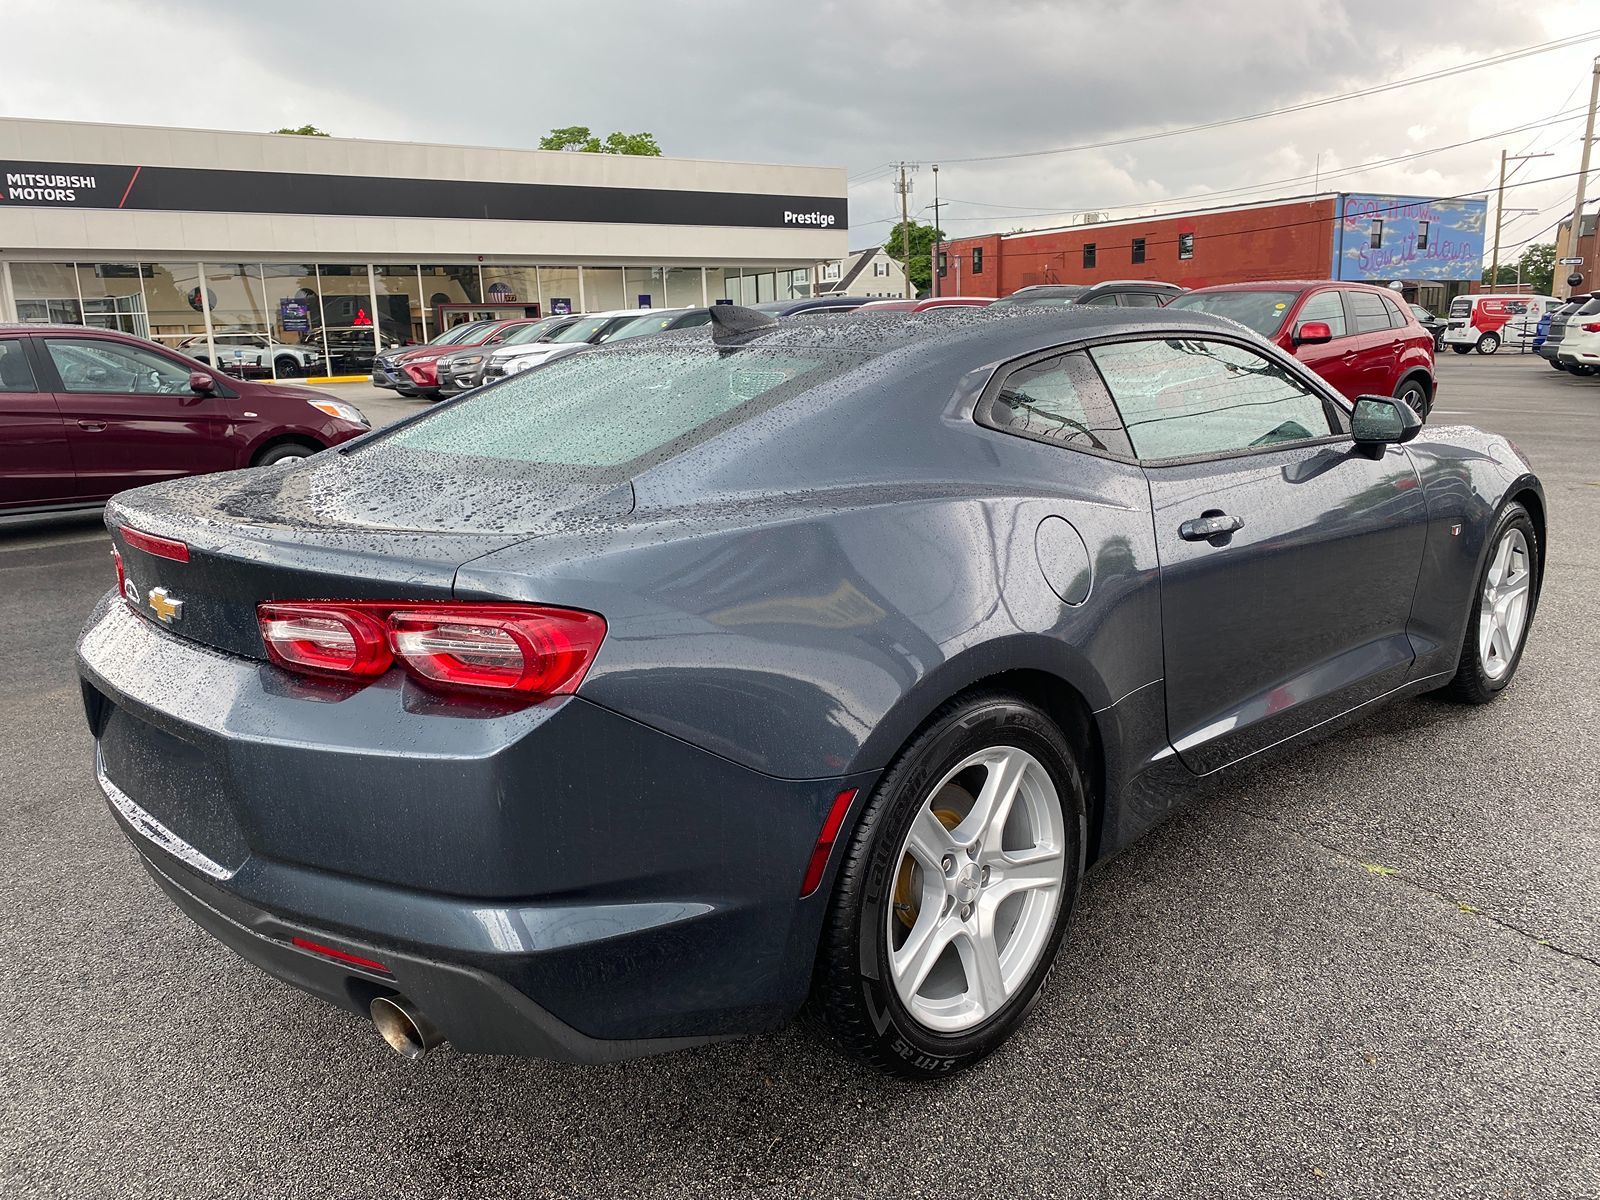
<point x="1371" y="968"/>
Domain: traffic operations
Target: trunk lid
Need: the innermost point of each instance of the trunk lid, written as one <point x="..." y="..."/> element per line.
<point x="389" y="526"/>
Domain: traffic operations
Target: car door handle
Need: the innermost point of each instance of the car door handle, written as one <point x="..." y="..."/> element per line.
<point x="92" y="426"/>
<point x="1212" y="525"/>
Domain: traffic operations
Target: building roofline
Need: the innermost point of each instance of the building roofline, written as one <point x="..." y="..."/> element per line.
<point x="255" y="133"/>
<point x="1308" y="198"/>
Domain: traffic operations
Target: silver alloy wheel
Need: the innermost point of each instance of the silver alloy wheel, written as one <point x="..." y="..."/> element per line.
<point x="982" y="868"/>
<point x="1503" y="615"/>
<point x="1415" y="397"/>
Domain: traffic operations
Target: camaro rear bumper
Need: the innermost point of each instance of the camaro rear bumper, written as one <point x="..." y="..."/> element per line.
<point x="556" y="880"/>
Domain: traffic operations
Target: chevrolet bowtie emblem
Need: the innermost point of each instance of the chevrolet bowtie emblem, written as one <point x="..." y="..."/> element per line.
<point x="167" y="609"/>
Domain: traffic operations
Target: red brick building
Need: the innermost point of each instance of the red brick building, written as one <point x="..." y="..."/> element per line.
<point x="1375" y="238"/>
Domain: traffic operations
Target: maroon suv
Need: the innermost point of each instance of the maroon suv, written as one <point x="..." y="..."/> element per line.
<point x="1363" y="340"/>
<point x="86" y="413"/>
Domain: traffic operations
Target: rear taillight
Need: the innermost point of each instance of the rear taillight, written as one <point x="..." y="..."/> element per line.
<point x="161" y="547"/>
<point x="1591" y="326"/>
<point x="122" y="577"/>
<point x="325" y="639"/>
<point x="526" y="651"/>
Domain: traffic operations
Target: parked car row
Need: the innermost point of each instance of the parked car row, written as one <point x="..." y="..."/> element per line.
<point x="1572" y="339"/>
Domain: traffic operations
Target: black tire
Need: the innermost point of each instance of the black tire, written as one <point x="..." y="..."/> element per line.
<point x="1583" y="370"/>
<point x="1416" y="393"/>
<point x="853" y="997"/>
<point x="1555" y="365"/>
<point x="287" y="366"/>
<point x="1471" y="684"/>
<point x="283" y="452"/>
<point x="1461" y="349"/>
<point x="431" y="395"/>
<point x="1488" y="343"/>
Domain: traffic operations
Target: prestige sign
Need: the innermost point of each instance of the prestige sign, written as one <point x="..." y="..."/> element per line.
<point x="194" y="189"/>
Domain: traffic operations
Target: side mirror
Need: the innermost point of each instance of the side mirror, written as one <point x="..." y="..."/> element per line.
<point x="201" y="384"/>
<point x="1313" y="333"/>
<point x="1383" y="421"/>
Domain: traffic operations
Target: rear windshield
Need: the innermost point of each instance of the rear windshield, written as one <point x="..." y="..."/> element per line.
<point x="537" y="332"/>
<point x="1460" y="306"/>
<point x="1262" y="311"/>
<point x="1589" y="308"/>
<point x="458" y="333"/>
<point x="608" y="408"/>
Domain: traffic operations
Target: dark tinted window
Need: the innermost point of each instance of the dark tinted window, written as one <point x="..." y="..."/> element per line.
<point x="1104" y="300"/>
<point x="977" y="260"/>
<point x="1262" y="311"/>
<point x="1138" y="250"/>
<point x="1058" y="400"/>
<point x="1141" y="300"/>
<point x="1325" y="306"/>
<point x="1397" y="318"/>
<point x="1187" y="397"/>
<point x="1186" y="245"/>
<point x="16" y="375"/>
<point x="1367" y="310"/>
<point x="1088" y="254"/>
<point x="1589" y="308"/>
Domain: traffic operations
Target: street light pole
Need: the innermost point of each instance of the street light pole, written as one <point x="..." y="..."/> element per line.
<point x="938" y="237"/>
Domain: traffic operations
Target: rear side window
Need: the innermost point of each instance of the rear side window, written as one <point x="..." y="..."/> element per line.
<point x="607" y="408"/>
<point x="1188" y="398"/>
<point x="16" y="374"/>
<point x="1367" y="311"/>
<point x="1325" y="306"/>
<point x="1397" y="318"/>
<point x="1059" y="400"/>
<point x="1141" y="300"/>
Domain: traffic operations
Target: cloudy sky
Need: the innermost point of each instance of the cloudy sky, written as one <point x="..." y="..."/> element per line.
<point x="862" y="83"/>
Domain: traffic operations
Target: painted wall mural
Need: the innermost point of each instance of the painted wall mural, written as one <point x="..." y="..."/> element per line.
<point x="1379" y="238"/>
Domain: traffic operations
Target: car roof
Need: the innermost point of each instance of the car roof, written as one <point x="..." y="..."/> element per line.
<point x="91" y="330"/>
<point x="959" y="337"/>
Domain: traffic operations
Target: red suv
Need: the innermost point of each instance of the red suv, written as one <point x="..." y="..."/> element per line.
<point x="1363" y="340"/>
<point x="86" y="413"/>
<point x="414" y="371"/>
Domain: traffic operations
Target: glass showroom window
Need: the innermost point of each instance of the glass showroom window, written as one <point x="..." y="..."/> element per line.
<point x="448" y="285"/>
<point x="647" y="282"/>
<point x="602" y="289"/>
<point x="558" y="290"/>
<point x="173" y="301"/>
<point x="294" y="308"/>
<point x="350" y="328"/>
<point x="46" y="293"/>
<point x="240" y="330"/>
<point x="736" y="286"/>
<point x="112" y="295"/>
<point x="686" y="287"/>
<point x="399" y="288"/>
<point x="510" y="285"/>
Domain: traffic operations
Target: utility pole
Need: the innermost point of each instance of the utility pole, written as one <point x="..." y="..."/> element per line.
<point x="903" y="186"/>
<point x="938" y="237"/>
<point x="1500" y="211"/>
<point x="1583" y="173"/>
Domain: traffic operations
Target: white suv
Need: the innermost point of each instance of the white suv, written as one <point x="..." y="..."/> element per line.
<point x="589" y="330"/>
<point x="253" y="352"/>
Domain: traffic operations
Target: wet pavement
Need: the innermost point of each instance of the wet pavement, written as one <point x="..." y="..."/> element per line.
<point x="1371" y="967"/>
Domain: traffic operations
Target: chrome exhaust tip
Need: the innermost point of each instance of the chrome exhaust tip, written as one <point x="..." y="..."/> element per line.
<point x="402" y="1025"/>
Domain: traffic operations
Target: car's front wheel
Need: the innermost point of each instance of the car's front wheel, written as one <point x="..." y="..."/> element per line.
<point x="955" y="890"/>
<point x="1502" y="609"/>
<point x="1415" y="394"/>
<point x="287" y="366"/>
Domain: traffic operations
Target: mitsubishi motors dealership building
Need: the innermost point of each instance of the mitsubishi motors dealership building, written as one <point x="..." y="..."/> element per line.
<point x="174" y="233"/>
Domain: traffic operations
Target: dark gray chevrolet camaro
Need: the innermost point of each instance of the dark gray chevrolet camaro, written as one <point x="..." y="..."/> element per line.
<point x="633" y="702"/>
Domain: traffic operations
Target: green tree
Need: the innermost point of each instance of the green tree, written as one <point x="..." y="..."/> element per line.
<point x="1539" y="266"/>
<point x="579" y="138"/>
<point x="920" y="268"/>
<point x="303" y="131"/>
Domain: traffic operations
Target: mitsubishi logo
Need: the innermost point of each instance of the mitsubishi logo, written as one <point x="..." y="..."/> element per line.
<point x="166" y="608"/>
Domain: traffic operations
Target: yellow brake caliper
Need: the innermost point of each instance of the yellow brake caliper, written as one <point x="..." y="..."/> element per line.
<point x="905" y="896"/>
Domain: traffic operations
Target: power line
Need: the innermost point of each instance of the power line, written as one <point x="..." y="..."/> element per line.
<point x="1429" y="77"/>
<point x="1039" y="210"/>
